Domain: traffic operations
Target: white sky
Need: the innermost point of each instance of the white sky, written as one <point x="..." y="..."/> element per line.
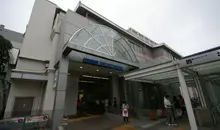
<point x="188" y="26"/>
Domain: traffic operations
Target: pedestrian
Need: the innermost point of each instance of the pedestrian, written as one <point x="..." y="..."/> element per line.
<point x="182" y="105"/>
<point x="78" y="106"/>
<point x="169" y="112"/>
<point x="115" y="105"/>
<point x="175" y="106"/>
<point x="125" y="108"/>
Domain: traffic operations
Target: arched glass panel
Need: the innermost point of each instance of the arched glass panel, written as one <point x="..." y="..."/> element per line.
<point x="104" y="40"/>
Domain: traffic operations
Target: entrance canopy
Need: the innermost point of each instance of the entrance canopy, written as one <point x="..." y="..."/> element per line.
<point x="205" y="63"/>
<point x="184" y="73"/>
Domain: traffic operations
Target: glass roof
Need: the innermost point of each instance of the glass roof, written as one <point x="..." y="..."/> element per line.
<point x="104" y="40"/>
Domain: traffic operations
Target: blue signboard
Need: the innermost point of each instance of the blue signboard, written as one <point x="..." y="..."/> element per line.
<point x="99" y="63"/>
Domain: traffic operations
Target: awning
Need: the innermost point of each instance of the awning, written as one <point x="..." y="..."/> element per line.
<point x="183" y="73"/>
<point x="204" y="64"/>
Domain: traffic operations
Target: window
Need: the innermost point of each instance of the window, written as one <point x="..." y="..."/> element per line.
<point x="103" y="40"/>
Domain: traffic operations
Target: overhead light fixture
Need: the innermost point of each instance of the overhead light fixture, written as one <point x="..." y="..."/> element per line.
<point x="94" y="77"/>
<point x="80" y="67"/>
<point x="105" y="78"/>
<point x="87" y="76"/>
<point x="84" y="81"/>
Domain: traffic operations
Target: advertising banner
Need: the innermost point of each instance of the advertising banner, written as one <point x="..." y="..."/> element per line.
<point x="12" y="123"/>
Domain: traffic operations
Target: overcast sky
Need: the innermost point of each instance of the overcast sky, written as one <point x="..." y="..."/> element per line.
<point x="188" y="26"/>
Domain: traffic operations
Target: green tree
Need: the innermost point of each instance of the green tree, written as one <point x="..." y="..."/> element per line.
<point x="5" y="47"/>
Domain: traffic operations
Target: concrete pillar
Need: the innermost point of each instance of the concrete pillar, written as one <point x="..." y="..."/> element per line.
<point x="184" y="89"/>
<point x="71" y="94"/>
<point x="48" y="102"/>
<point x="60" y="94"/>
<point x="210" y="87"/>
<point x="199" y="89"/>
<point x="115" y="88"/>
<point x="125" y="90"/>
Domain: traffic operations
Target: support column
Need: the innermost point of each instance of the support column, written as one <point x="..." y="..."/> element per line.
<point x="60" y="93"/>
<point x="71" y="94"/>
<point x="191" y="116"/>
<point x="211" y="92"/>
<point x="200" y="92"/>
<point x="125" y="90"/>
<point x="115" y="88"/>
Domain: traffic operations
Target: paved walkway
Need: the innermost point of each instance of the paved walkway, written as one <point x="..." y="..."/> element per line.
<point x="104" y="122"/>
<point x="114" y="122"/>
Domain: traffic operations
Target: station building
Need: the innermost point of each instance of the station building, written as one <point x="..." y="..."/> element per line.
<point x="68" y="53"/>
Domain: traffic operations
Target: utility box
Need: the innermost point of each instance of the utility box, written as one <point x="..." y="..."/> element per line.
<point x="203" y="117"/>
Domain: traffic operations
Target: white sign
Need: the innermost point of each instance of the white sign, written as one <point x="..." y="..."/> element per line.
<point x="201" y="58"/>
<point x="36" y="119"/>
<point x="12" y="120"/>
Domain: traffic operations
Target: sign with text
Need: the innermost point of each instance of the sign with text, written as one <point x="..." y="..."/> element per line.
<point x="200" y="58"/>
<point x="12" y="123"/>
<point x="99" y="63"/>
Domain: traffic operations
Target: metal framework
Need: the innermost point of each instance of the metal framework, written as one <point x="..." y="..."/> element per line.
<point x="183" y="72"/>
<point x="104" y="40"/>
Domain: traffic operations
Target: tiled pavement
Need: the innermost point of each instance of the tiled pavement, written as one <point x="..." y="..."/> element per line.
<point x="104" y="122"/>
<point x="113" y="122"/>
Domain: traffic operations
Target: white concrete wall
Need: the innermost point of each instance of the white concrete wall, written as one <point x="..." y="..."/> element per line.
<point x="29" y="64"/>
<point x="70" y="24"/>
<point x="37" y="42"/>
<point x="24" y="88"/>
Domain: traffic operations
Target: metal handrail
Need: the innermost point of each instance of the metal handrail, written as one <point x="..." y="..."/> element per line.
<point x="213" y="115"/>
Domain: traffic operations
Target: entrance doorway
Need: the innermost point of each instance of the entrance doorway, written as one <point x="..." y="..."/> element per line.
<point x="22" y="106"/>
<point x="95" y="85"/>
<point x="92" y="93"/>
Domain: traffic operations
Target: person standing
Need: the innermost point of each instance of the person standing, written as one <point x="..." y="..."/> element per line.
<point x="115" y="105"/>
<point x="125" y="108"/>
<point x="182" y="105"/>
<point x="169" y="112"/>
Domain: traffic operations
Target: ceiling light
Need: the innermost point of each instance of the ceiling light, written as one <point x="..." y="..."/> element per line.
<point x="88" y="76"/>
<point x="84" y="81"/>
<point x="95" y="77"/>
<point x="80" y="67"/>
<point x="105" y="78"/>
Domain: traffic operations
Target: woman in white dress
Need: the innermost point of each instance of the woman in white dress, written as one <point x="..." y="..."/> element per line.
<point x="125" y="108"/>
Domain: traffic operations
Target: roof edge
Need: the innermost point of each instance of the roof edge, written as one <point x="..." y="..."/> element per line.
<point x="80" y="4"/>
<point x="166" y="46"/>
<point x="201" y="52"/>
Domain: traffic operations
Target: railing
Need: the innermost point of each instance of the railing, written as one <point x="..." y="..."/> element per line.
<point x="216" y="109"/>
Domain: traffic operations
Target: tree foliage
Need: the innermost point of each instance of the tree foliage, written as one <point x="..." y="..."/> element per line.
<point x="5" y="47"/>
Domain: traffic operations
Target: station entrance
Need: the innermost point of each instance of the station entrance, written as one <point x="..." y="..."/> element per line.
<point x="93" y="91"/>
<point x="88" y="88"/>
